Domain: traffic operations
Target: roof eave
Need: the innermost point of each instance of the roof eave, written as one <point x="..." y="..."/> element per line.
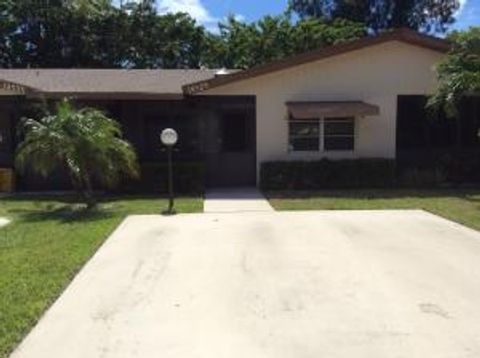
<point x="108" y="95"/>
<point x="20" y="88"/>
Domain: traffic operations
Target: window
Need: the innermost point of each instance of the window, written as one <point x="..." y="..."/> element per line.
<point x="326" y="134"/>
<point x="304" y="135"/>
<point x="339" y="133"/>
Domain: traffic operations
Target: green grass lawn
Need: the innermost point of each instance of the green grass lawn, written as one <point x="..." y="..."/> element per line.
<point x="46" y="244"/>
<point x="462" y="206"/>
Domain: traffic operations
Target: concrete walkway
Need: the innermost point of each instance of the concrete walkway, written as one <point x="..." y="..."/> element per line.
<point x="232" y="200"/>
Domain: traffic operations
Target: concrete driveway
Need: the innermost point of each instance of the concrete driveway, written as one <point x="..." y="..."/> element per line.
<point x="272" y="285"/>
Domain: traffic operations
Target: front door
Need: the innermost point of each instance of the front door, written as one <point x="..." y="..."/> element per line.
<point x="233" y="161"/>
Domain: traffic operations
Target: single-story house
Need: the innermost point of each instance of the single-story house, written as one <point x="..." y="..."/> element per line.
<point x="343" y="101"/>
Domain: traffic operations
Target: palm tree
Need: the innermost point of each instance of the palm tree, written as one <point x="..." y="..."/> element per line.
<point x="85" y="142"/>
<point x="459" y="73"/>
<point x="458" y="76"/>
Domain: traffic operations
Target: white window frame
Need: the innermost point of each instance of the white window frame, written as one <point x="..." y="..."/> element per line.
<point x="321" y="133"/>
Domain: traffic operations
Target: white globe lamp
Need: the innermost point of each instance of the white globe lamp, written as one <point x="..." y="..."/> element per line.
<point x="169" y="137"/>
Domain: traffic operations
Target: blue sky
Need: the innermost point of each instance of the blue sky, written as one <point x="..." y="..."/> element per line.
<point x="209" y="12"/>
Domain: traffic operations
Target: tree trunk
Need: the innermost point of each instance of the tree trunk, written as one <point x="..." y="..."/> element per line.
<point x="76" y="183"/>
<point x="88" y="192"/>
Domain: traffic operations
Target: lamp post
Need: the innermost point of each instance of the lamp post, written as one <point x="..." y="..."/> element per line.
<point x="169" y="138"/>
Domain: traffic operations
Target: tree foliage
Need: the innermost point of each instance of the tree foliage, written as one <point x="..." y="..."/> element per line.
<point x="242" y="45"/>
<point x="97" y="34"/>
<point x="94" y="33"/>
<point x="85" y="142"/>
<point x="424" y="15"/>
<point x="459" y="72"/>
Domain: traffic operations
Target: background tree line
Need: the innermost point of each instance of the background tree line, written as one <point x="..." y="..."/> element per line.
<point x="378" y="15"/>
<point x="97" y="34"/>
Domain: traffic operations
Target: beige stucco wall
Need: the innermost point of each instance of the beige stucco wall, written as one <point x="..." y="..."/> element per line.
<point x="374" y="75"/>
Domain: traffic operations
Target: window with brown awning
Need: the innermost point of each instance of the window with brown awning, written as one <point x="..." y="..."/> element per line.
<point x="313" y="110"/>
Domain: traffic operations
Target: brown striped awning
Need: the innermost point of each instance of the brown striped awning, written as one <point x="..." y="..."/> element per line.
<point x="311" y="110"/>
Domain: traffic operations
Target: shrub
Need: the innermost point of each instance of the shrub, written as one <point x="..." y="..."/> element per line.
<point x="327" y="174"/>
<point x="421" y="178"/>
<point x="460" y="167"/>
<point x="188" y="177"/>
<point x="440" y="167"/>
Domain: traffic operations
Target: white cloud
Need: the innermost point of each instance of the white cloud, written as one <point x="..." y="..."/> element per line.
<point x="240" y="17"/>
<point x="193" y="7"/>
<point x="460" y="9"/>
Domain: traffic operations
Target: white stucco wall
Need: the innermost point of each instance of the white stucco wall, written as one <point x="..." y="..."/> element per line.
<point x="374" y="75"/>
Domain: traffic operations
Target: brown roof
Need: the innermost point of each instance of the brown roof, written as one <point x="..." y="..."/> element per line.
<point x="403" y="35"/>
<point x="105" y="82"/>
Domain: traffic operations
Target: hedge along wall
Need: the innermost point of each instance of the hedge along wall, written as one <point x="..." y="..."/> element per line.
<point x="327" y="174"/>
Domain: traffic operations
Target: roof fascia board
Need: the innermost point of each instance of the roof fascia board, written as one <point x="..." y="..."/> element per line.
<point x="108" y="95"/>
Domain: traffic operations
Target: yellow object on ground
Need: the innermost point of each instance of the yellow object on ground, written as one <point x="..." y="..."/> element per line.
<point x="7" y="180"/>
